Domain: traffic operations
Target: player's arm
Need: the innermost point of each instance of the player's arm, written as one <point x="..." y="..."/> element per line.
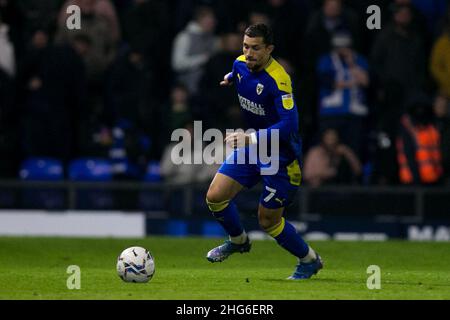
<point x="287" y="125"/>
<point x="227" y="80"/>
<point x="287" y="111"/>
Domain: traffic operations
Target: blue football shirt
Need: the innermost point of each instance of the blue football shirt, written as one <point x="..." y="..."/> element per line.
<point x="267" y="102"/>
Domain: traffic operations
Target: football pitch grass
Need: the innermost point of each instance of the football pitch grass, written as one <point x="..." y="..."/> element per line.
<point x="36" y="268"/>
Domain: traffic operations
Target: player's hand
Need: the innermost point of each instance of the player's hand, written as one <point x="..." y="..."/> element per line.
<point x="237" y="140"/>
<point x="226" y="82"/>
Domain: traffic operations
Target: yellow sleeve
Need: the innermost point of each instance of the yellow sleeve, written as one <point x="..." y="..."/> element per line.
<point x="440" y="57"/>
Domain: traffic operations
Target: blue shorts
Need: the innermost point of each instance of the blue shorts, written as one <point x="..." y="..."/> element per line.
<point x="279" y="188"/>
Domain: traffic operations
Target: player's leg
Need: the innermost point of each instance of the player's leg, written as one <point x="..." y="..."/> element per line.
<point x="219" y="199"/>
<point x="279" y="190"/>
<point x="273" y="222"/>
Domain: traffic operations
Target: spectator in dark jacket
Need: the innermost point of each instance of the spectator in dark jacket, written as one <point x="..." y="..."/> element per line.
<point x="98" y="27"/>
<point x="331" y="18"/>
<point x="441" y="110"/>
<point x="9" y="144"/>
<point x="146" y="27"/>
<point x="288" y="24"/>
<point x="52" y="90"/>
<point x="215" y="99"/>
<point x="399" y="62"/>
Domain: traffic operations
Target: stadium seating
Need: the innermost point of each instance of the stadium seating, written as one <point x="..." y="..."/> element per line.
<point x="152" y="200"/>
<point x="92" y="170"/>
<point x="42" y="169"/>
<point x="153" y="172"/>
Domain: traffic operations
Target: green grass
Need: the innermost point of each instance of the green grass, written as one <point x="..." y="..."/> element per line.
<point x="35" y="268"/>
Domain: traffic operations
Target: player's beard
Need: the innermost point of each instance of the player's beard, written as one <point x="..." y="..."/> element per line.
<point x="253" y="67"/>
<point x="258" y="66"/>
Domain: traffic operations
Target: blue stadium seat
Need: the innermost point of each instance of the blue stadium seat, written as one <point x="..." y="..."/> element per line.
<point x="152" y="200"/>
<point x="92" y="170"/>
<point x="42" y="169"/>
<point x="153" y="172"/>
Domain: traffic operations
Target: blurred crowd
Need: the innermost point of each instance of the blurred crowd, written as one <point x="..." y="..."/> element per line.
<point x="373" y="104"/>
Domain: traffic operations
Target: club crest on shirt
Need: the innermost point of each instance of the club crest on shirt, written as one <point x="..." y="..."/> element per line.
<point x="259" y="88"/>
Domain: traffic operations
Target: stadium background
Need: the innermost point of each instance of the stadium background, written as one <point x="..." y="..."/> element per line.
<point x="86" y="115"/>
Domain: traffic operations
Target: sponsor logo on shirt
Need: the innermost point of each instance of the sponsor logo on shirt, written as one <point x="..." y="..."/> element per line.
<point x="288" y="101"/>
<point x="251" y="106"/>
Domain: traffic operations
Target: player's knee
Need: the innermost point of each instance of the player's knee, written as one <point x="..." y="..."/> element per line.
<point x="217" y="206"/>
<point x="266" y="223"/>
<point x="213" y="195"/>
<point x="271" y="225"/>
<point x="215" y="201"/>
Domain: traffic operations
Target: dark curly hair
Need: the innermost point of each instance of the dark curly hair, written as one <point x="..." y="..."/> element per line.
<point x="260" y="30"/>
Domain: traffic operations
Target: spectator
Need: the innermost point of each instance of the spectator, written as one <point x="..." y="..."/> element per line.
<point x="330" y="18"/>
<point x="177" y="111"/>
<point x="428" y="14"/>
<point x="12" y="15"/>
<point x="99" y="8"/>
<point x="9" y="113"/>
<point x="146" y="28"/>
<point x="419" y="152"/>
<point x="193" y="47"/>
<point x="170" y="115"/>
<point x="7" y="58"/>
<point x="331" y="162"/>
<point x="343" y="77"/>
<point x="130" y="150"/>
<point x="257" y="15"/>
<point x="52" y="89"/>
<point x="441" y="110"/>
<point x="217" y="100"/>
<point x="418" y="20"/>
<point x="187" y="171"/>
<point x="333" y="17"/>
<point x="95" y="139"/>
<point x="127" y="86"/>
<point x="399" y="62"/>
<point x="440" y="63"/>
<point x="288" y="25"/>
<point x="444" y="21"/>
<point x="40" y="14"/>
<point x="99" y="29"/>
<point x="9" y="140"/>
<point x="231" y="14"/>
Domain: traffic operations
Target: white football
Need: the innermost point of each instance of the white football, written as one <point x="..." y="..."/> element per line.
<point x="135" y="264"/>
